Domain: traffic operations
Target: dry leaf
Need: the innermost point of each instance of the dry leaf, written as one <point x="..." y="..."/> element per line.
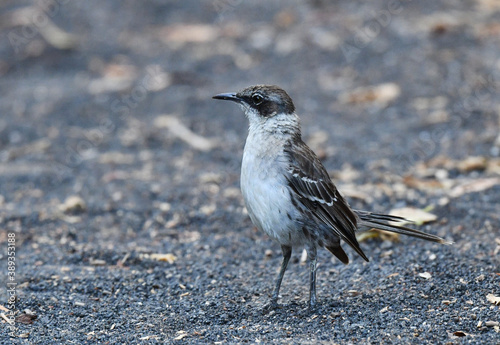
<point x="181" y="335"/>
<point x="55" y="36"/>
<point x="448" y="302"/>
<point x="363" y="236"/>
<point x="491" y="165"/>
<point x="493" y="299"/>
<point x="416" y="215"/>
<point x="188" y="33"/>
<point x="26" y="318"/>
<point x="488" y="5"/>
<point x="459" y="334"/>
<point x="425" y="275"/>
<point x="382" y="94"/>
<point x="422" y="184"/>
<point x="375" y="233"/>
<point x="73" y="203"/>
<point x="149" y="337"/>
<point x="179" y="130"/>
<point x="441" y="161"/>
<point x="97" y="262"/>
<point x="120" y="71"/>
<point x="8" y="320"/>
<point x="170" y="258"/>
<point x="473" y="186"/>
<point x="472" y="163"/>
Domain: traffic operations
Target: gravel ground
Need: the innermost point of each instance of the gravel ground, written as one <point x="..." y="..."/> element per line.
<point x="119" y="174"/>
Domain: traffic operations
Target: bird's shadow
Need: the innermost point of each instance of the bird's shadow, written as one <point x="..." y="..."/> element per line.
<point x="299" y="309"/>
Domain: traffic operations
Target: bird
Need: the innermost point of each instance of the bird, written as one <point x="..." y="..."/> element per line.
<point x="288" y="193"/>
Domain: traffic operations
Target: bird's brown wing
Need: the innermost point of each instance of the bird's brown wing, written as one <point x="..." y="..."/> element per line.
<point x="310" y="181"/>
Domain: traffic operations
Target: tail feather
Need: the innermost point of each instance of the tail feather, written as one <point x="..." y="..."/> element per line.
<point x="380" y="221"/>
<point x="381" y="217"/>
<point x="339" y="253"/>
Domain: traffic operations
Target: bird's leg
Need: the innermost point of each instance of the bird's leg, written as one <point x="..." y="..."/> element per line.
<point x="287" y="253"/>
<point x="311" y="252"/>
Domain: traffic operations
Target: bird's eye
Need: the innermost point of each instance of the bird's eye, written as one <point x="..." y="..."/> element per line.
<point x="257" y="99"/>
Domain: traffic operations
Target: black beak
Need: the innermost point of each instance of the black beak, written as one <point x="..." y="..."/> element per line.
<point x="231" y="96"/>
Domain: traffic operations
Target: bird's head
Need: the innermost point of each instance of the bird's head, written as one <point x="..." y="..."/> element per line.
<point x="262" y="103"/>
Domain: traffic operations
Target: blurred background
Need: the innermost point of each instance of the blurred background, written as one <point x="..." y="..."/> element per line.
<point x="112" y="150"/>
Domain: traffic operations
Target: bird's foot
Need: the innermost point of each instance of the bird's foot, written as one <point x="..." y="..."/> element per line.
<point x="273" y="305"/>
<point x="313" y="304"/>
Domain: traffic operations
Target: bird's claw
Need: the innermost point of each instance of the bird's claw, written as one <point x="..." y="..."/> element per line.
<point x="273" y="305"/>
<point x="312" y="305"/>
<point x="312" y="308"/>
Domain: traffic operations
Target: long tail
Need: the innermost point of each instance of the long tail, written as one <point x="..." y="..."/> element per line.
<point x="381" y="222"/>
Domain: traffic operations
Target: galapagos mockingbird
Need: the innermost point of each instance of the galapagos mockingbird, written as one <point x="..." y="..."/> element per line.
<point x="287" y="191"/>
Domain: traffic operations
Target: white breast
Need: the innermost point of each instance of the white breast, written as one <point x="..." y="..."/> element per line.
<point x="265" y="190"/>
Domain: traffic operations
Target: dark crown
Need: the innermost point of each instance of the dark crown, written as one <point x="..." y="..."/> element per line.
<point x="268" y="100"/>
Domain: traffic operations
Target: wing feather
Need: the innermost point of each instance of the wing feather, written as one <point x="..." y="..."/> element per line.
<point x="312" y="184"/>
